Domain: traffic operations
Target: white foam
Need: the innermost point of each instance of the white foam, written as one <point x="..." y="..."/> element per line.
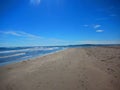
<point x="13" y="55"/>
<point x="26" y="57"/>
<point x="30" y="49"/>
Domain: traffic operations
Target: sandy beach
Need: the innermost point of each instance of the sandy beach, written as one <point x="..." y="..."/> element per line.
<point x="96" y="68"/>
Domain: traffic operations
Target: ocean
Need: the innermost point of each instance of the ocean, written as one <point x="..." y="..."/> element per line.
<point x="10" y="55"/>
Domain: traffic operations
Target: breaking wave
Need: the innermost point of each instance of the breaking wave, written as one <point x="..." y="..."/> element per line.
<point x="19" y="54"/>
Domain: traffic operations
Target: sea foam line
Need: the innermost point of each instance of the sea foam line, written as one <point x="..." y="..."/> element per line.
<point x="13" y="55"/>
<point x="30" y="49"/>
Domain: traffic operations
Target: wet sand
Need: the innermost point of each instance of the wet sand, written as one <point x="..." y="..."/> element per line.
<point x="96" y="68"/>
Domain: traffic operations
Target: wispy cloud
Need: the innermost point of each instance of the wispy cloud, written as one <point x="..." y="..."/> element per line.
<point x="20" y="34"/>
<point x="31" y="37"/>
<point x="96" y="26"/>
<point x="99" y="31"/>
<point x="10" y="33"/>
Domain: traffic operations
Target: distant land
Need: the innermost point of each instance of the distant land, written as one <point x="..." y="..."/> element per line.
<point x="76" y="45"/>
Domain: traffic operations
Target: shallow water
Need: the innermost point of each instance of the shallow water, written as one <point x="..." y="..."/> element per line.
<point x="17" y="54"/>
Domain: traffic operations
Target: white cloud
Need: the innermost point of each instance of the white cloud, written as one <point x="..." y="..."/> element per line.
<point x="11" y="33"/>
<point x="96" y="26"/>
<point x="31" y="37"/>
<point x="20" y="34"/>
<point x="99" y="30"/>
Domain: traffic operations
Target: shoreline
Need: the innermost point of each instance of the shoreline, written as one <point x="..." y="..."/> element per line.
<point x="33" y="58"/>
<point x="96" y="68"/>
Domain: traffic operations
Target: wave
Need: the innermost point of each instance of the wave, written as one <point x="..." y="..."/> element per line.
<point x="13" y="55"/>
<point x="30" y="49"/>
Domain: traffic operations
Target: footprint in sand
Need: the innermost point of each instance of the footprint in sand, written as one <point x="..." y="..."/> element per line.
<point x="9" y="87"/>
<point x="82" y="84"/>
<point x="109" y="69"/>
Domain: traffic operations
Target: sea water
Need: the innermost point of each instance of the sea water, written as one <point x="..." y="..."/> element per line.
<point x="10" y="55"/>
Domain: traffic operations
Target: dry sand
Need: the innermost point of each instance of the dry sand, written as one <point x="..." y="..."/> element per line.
<point x="95" y="68"/>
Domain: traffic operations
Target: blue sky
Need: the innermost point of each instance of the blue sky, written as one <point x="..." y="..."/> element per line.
<point x="59" y="22"/>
